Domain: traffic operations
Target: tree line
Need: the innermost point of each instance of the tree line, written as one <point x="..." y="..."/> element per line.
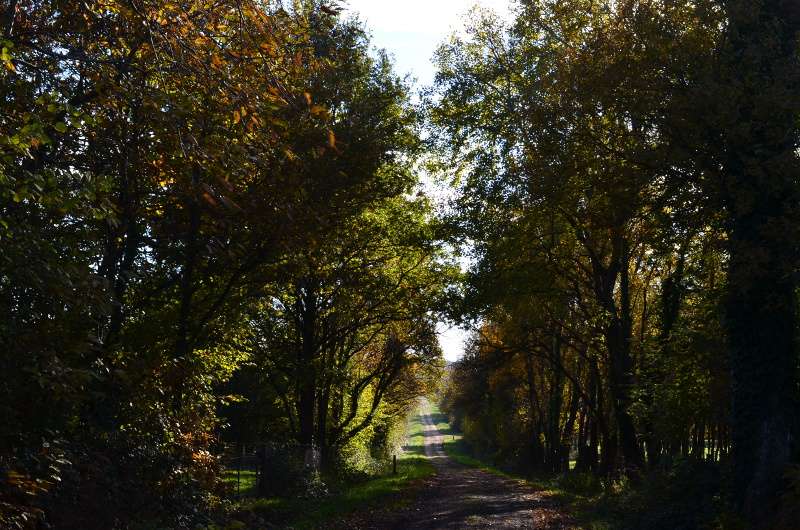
<point x="627" y="176"/>
<point x="211" y="231"/>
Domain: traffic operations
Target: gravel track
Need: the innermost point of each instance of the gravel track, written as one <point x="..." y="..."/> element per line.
<point x="462" y="497"/>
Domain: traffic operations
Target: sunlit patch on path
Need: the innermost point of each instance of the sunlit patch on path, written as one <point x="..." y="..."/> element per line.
<point x="461" y="497"/>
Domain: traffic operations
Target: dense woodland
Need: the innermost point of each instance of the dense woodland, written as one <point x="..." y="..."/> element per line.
<point x="214" y="234"/>
<point x="211" y="233"/>
<point x="628" y="187"/>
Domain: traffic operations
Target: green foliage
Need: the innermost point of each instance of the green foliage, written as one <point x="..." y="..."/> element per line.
<point x="382" y="490"/>
<point x="166" y="171"/>
<point x="631" y="305"/>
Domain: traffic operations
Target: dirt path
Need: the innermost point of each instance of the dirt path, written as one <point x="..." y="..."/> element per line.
<point x="461" y="497"/>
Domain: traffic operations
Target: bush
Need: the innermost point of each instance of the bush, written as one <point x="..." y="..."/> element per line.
<point x="685" y="497"/>
<point x="580" y="483"/>
<point x="283" y="470"/>
<point x="120" y="482"/>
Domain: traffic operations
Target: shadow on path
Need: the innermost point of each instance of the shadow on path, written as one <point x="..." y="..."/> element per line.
<point x="461" y="497"/>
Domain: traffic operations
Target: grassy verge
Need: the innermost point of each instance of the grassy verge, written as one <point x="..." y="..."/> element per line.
<point x="386" y="491"/>
<point x="455" y="447"/>
<point x="588" y="507"/>
<point x="243" y="483"/>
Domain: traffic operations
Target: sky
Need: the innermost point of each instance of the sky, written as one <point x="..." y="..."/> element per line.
<point x="411" y="30"/>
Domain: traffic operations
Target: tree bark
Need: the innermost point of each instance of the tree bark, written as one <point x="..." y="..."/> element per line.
<point x="322" y="423"/>
<point x="556" y="403"/>
<point x="306" y="368"/>
<point x="618" y="335"/>
<point x="536" y="452"/>
<point x="760" y="195"/>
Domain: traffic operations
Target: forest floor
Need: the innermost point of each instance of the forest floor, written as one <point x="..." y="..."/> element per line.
<point x="457" y="496"/>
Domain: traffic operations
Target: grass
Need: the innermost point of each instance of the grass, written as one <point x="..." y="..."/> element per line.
<point x="385" y="491"/>
<point x="457" y="449"/>
<point x="586" y="508"/>
<point x="246" y="479"/>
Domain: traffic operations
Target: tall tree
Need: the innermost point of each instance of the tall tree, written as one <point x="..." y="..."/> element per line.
<point x="350" y="323"/>
<point x="759" y="190"/>
<point x="159" y="161"/>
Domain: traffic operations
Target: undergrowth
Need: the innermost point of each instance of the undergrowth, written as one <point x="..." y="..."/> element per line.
<point x="345" y="496"/>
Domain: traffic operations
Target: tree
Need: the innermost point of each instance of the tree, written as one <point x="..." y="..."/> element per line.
<point x="576" y="158"/>
<point x="159" y="163"/>
<point x="350" y="334"/>
<point x="758" y="188"/>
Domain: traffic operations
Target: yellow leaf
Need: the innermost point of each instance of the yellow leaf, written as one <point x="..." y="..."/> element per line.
<point x="236" y="116"/>
<point x="331" y="139"/>
<point x="319" y="110"/>
<point x="307" y="95"/>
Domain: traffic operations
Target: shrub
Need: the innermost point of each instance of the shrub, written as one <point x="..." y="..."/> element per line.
<point x="685" y="497"/>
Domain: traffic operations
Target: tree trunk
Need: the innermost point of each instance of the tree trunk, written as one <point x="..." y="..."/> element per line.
<point x="672" y="293"/>
<point x="307" y="380"/>
<point x="322" y="423"/>
<point x="618" y="342"/>
<point x="760" y="195"/>
<point x="567" y="436"/>
<point x="608" y="452"/>
<point x="594" y="408"/>
<point x="556" y="403"/>
<point x="183" y="343"/>
<point x="761" y="319"/>
<point x="536" y="452"/>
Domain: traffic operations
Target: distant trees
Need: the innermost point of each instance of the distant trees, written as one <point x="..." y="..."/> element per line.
<point x="347" y="335"/>
<point x="624" y="171"/>
<point x="170" y="174"/>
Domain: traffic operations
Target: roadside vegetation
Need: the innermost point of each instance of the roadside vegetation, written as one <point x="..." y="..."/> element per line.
<point x="382" y="490"/>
